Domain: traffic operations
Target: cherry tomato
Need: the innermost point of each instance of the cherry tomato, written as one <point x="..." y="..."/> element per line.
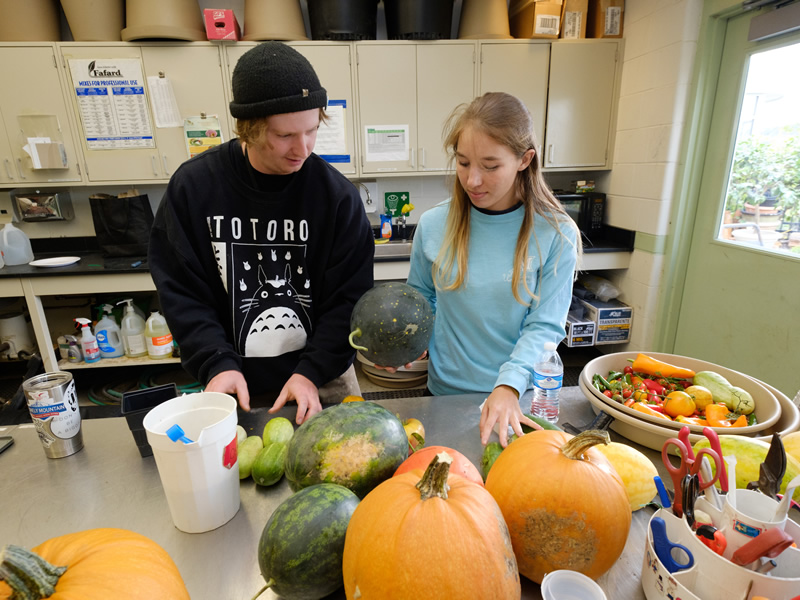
<point x="626" y="393"/>
<point x="628" y="369"/>
<point x="608" y="393"/>
<point x="640" y="392"/>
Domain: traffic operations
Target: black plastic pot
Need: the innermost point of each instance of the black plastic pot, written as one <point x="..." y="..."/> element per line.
<point x="343" y="20"/>
<point x="418" y="19"/>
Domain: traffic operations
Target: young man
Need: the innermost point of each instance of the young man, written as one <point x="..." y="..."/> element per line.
<point x="260" y="249"/>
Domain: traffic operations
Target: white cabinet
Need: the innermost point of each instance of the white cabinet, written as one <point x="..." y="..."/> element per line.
<point x="406" y="91"/>
<point x="333" y="64"/>
<point x="520" y="68"/>
<point x="120" y="139"/>
<point x="580" y="104"/>
<point x="37" y="145"/>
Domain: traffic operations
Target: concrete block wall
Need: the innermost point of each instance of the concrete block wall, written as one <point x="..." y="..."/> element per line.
<point x="660" y="47"/>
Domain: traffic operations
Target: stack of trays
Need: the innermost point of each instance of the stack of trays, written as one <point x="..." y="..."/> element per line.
<point x="774" y="410"/>
<point x="404" y="378"/>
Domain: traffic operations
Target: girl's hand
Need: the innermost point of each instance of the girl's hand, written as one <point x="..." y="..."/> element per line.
<point x="502" y="408"/>
<point x="407" y="365"/>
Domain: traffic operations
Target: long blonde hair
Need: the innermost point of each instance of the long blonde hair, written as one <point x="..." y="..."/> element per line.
<point x="506" y="120"/>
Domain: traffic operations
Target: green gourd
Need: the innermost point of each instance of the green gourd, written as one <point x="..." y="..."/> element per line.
<point x="268" y="464"/>
<point x="735" y="398"/>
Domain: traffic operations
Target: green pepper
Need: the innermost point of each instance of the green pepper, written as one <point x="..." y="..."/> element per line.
<point x="751" y="419"/>
<point x="615" y="375"/>
<point x="603" y="382"/>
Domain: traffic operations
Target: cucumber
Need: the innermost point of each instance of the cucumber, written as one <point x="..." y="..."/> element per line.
<point x="248" y="450"/>
<point x="490" y="454"/>
<point x="279" y="429"/>
<point x="750" y="453"/>
<point x="543" y="422"/>
<point x="241" y="434"/>
<point x="268" y="464"/>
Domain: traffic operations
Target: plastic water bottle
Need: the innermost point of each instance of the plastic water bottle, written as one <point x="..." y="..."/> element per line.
<point x="548" y="375"/>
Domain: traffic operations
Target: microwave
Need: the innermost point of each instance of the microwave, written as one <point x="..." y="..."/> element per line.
<point x="586" y="209"/>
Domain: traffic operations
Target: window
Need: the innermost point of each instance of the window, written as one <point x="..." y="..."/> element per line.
<point x="762" y="203"/>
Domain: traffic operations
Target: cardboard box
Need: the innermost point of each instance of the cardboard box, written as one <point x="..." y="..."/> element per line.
<point x="221" y="24"/>
<point x="612" y="319"/>
<point x="605" y="18"/>
<point x="579" y="332"/>
<point x="573" y="19"/>
<point x="535" y="18"/>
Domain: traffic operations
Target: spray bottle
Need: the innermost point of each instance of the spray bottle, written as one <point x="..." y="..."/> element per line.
<point x="157" y="336"/>
<point x="91" y="351"/>
<point x="109" y="338"/>
<point x="133" y="331"/>
<point x="74" y="354"/>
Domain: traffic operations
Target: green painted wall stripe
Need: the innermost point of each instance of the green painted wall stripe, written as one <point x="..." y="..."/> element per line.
<point x="654" y="244"/>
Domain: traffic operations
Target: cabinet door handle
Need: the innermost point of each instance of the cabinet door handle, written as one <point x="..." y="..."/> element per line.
<point x="550" y="154"/>
<point x="8" y="169"/>
<point x="413" y="158"/>
<point x="21" y="172"/>
<point x="422" y="158"/>
<point x="164" y="160"/>
<point x="153" y="161"/>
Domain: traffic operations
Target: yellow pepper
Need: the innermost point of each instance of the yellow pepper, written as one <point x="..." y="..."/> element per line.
<point x="691" y="420"/>
<point x="643" y="408"/>
<point x="651" y="366"/>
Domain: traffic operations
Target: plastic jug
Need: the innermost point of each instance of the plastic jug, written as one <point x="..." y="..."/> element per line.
<point x="15" y="245"/>
<point x="133" y="331"/>
<point x="158" y="336"/>
<point x="109" y="338"/>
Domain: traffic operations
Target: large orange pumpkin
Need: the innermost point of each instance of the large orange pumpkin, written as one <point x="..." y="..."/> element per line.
<point x="415" y="538"/>
<point x="96" y="564"/>
<point x="565" y="505"/>
<point x="422" y="458"/>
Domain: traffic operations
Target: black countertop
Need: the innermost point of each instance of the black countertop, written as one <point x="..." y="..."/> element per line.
<point x="90" y="263"/>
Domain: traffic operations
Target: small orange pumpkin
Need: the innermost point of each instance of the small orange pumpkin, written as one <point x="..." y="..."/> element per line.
<point x="565" y="505"/>
<point x="422" y="458"/>
<point x="96" y="564"/>
<point x="415" y="538"/>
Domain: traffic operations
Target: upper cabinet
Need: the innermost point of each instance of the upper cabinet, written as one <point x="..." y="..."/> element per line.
<point x="580" y="115"/>
<point x="336" y="141"/>
<point x="520" y="68"/>
<point x="37" y="145"/>
<point x="406" y="92"/>
<point x="132" y="129"/>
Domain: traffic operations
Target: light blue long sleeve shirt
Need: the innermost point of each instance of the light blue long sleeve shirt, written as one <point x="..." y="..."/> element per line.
<point x="483" y="337"/>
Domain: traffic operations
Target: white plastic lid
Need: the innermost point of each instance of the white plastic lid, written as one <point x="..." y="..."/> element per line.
<point x="550" y="346"/>
<point x="570" y="585"/>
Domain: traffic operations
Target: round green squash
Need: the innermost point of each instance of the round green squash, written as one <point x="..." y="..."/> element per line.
<point x="357" y="445"/>
<point x="301" y="547"/>
<point x="391" y="324"/>
<point x="277" y="429"/>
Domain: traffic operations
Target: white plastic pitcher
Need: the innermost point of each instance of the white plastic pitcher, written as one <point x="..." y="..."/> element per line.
<point x="570" y="585"/>
<point x="16" y="246"/>
<point x="200" y="479"/>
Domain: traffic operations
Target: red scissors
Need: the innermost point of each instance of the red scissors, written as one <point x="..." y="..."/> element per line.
<point x="713" y="442"/>
<point x="689" y="464"/>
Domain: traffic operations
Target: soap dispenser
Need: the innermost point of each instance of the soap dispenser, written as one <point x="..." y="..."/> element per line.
<point x="15" y="246"/>
<point x="91" y="351"/>
<point x="109" y="338"/>
<point x="133" y="331"/>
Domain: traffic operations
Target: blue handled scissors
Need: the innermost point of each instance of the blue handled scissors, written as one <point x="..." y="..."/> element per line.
<point x="664" y="547"/>
<point x="689" y="464"/>
<point x="713" y="442"/>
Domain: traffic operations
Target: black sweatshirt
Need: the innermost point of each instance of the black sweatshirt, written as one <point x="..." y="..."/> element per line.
<point x="260" y="281"/>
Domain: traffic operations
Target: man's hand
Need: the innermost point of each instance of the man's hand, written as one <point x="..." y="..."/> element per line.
<point x="301" y="390"/>
<point x="231" y="382"/>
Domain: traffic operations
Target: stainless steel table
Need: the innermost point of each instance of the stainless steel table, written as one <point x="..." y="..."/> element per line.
<point x="107" y="484"/>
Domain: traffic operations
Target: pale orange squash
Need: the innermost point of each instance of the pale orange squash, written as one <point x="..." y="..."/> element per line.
<point x="96" y="564"/>
<point x="421" y="459"/>
<point x="565" y="505"/>
<point x="415" y="538"/>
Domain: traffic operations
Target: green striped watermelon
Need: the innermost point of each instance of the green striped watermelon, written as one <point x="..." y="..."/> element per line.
<point x="301" y="547"/>
<point x="357" y="445"/>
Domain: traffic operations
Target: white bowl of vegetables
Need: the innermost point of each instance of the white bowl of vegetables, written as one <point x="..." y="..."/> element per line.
<point x="660" y="389"/>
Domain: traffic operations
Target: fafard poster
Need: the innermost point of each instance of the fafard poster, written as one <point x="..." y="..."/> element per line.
<point x="112" y="103"/>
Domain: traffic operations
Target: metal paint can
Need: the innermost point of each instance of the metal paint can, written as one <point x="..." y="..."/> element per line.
<point x="53" y="404"/>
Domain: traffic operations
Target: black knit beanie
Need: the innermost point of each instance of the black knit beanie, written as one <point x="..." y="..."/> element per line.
<point x="273" y="79"/>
